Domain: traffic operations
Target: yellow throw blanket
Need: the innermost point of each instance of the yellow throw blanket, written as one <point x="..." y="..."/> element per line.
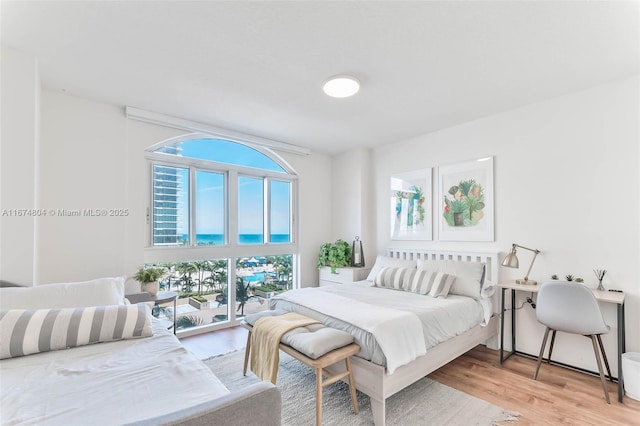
<point x="265" y="342"/>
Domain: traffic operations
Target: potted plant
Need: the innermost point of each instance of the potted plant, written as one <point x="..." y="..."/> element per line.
<point x="199" y="301"/>
<point x="267" y="291"/>
<point x="334" y="255"/>
<point x="148" y="278"/>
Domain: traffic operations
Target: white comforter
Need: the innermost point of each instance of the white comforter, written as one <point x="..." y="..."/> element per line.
<point x="439" y="319"/>
<point x="399" y="333"/>
<point x="105" y="383"/>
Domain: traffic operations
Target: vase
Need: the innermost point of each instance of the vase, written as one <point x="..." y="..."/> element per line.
<point x="600" y="286"/>
<point x="151" y="288"/>
<point x="458" y="220"/>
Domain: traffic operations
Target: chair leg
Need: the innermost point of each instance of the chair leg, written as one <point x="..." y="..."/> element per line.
<point x="544" y="343"/>
<point x="553" y="339"/>
<point x="604" y="383"/>
<point x="604" y="357"/>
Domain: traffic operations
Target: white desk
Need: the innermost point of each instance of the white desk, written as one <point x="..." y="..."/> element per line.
<point x="601" y="296"/>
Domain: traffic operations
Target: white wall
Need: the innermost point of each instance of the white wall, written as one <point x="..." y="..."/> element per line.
<point x="91" y="157"/>
<point x="20" y="88"/>
<point x="314" y="191"/>
<point x="351" y="200"/>
<point x="82" y="167"/>
<point x="566" y="182"/>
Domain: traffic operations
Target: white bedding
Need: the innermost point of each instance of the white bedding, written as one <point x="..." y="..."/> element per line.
<point x="441" y="318"/>
<point x="106" y="383"/>
<point x="395" y="330"/>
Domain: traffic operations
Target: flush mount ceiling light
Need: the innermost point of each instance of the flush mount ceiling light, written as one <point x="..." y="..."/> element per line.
<point x="341" y="86"/>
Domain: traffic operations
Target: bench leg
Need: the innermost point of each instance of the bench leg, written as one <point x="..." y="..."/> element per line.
<point x="247" y="349"/>
<point x="352" y="386"/>
<point x="318" y="396"/>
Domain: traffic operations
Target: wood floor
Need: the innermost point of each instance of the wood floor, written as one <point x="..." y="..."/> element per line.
<point x="559" y="397"/>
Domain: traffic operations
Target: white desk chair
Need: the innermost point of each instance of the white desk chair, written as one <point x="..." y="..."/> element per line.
<point x="572" y="308"/>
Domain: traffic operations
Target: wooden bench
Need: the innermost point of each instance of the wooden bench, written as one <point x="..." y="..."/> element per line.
<point x="319" y="366"/>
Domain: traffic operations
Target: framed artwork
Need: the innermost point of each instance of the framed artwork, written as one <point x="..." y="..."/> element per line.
<point x="465" y="200"/>
<point x="411" y="212"/>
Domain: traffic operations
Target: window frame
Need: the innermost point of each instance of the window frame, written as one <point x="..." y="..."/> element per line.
<point x="231" y="250"/>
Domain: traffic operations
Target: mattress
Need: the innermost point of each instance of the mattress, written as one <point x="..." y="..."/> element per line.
<point x="105" y="383"/>
<point x="441" y="318"/>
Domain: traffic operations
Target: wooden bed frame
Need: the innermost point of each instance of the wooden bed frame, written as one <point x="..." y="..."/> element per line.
<point x="373" y="380"/>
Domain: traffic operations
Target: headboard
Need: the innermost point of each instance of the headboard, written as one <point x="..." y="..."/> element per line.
<point x="489" y="259"/>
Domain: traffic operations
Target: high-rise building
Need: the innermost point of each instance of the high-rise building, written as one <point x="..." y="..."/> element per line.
<point x="167" y="184"/>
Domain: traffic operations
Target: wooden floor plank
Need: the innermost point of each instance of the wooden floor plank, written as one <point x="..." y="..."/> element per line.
<point x="559" y="397"/>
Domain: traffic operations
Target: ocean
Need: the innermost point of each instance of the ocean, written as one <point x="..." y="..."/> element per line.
<point x="218" y="239"/>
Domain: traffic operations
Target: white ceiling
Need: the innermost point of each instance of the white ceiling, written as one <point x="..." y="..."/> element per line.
<point x="258" y="67"/>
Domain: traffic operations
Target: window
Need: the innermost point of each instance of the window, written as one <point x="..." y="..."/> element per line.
<point x="217" y="203"/>
<point x="210" y="208"/>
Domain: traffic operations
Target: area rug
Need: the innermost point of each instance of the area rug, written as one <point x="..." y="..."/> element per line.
<point x="426" y="402"/>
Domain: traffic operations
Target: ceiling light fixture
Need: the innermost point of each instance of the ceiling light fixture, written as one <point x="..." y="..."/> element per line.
<point x="341" y="86"/>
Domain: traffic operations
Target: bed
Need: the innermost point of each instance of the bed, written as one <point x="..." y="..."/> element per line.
<point x="403" y="335"/>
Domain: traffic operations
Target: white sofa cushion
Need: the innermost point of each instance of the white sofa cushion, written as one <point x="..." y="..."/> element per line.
<point x="98" y="292"/>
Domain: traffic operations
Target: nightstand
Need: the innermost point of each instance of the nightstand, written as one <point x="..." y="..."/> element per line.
<point x="342" y="275"/>
<point x="159" y="298"/>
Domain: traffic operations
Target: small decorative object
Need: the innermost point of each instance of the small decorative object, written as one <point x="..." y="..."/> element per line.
<point x="357" y="254"/>
<point x="569" y="277"/>
<point x="600" y="275"/>
<point x="511" y="261"/>
<point x="335" y="255"/>
<point x="148" y="278"/>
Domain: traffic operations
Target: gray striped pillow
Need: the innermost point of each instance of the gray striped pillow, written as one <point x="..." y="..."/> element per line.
<point x="430" y="282"/>
<point x="394" y="278"/>
<point x="25" y="332"/>
<point x="441" y="284"/>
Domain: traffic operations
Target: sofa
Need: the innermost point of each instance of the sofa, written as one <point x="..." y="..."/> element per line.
<point x="79" y="353"/>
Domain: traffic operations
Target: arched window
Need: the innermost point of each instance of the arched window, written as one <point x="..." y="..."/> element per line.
<point x="221" y="212"/>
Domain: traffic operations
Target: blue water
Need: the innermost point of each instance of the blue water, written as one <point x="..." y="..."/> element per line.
<point x="258" y="276"/>
<point x="218" y="239"/>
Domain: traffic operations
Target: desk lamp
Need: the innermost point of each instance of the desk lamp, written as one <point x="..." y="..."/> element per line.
<point x="511" y="261"/>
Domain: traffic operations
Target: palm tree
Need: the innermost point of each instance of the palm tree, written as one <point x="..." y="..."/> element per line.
<point x="186" y="269"/>
<point x="242" y="295"/>
<point x="201" y="267"/>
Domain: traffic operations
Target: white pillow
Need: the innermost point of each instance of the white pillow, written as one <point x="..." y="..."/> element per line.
<point x="384" y="261"/>
<point x="99" y="292"/>
<point x="469" y="275"/>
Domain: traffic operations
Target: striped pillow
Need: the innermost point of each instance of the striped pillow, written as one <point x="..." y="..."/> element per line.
<point x="394" y="278"/>
<point x="432" y="283"/>
<point x="441" y="284"/>
<point x="25" y="332"/>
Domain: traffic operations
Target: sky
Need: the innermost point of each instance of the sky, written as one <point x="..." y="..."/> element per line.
<point x="210" y="190"/>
